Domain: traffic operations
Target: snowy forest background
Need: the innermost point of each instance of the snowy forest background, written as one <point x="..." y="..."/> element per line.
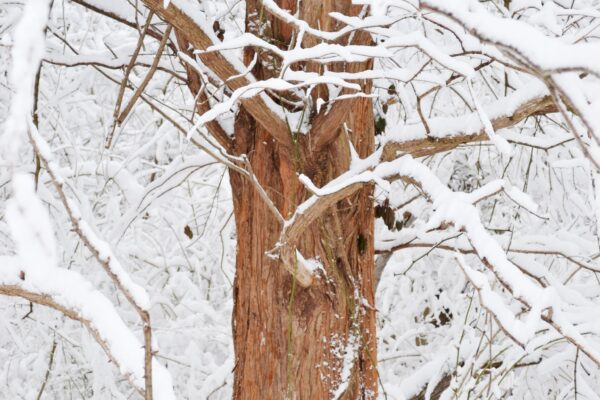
<point x="161" y="206"/>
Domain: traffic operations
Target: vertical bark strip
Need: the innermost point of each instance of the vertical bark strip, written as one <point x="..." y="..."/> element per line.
<point x="290" y="342"/>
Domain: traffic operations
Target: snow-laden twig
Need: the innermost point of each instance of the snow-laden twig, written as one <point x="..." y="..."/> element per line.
<point x="329" y="53"/>
<point x="499" y="141"/>
<point x="276" y="84"/>
<point x="450" y="208"/>
<point x="272" y="7"/>
<point x="494" y="304"/>
<point x="101" y="250"/>
<point x="72" y="295"/>
<point x="411" y="238"/>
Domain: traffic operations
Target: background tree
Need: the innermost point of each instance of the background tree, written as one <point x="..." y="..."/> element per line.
<point x="431" y="151"/>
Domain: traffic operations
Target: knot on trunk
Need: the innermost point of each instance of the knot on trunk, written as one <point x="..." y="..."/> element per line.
<point x="301" y="269"/>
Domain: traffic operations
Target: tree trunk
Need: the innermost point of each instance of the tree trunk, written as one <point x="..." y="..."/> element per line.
<point x="291" y="342"/>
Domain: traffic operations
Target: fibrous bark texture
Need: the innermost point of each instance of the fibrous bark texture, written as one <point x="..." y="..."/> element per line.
<point x="292" y="342"/>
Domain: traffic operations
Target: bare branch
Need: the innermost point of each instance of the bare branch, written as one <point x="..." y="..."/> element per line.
<point x="146" y="80"/>
<point x="128" y="70"/>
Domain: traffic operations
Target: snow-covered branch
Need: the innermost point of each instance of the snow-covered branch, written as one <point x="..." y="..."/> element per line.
<point x="73" y="296"/>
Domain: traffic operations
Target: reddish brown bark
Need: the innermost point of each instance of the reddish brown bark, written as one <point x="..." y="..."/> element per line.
<point x="291" y="342"/>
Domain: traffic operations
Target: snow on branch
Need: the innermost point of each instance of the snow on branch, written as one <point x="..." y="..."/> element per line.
<point x="330" y="52"/>
<point x="521" y="40"/>
<point x="451" y="209"/>
<point x="440" y="135"/>
<point x="322" y="52"/>
<point x="135" y="294"/>
<point x="69" y="293"/>
<point x="275" y="84"/>
<point x="518" y="331"/>
<point x="446" y="133"/>
<point x="303" y="27"/>
<point x="555" y="62"/>
<point x="36" y="277"/>
<point x="186" y="18"/>
<point x="101" y="250"/>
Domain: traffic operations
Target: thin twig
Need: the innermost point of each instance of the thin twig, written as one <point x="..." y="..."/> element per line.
<point x="50" y="362"/>
<point x="147" y="78"/>
<point x="128" y="70"/>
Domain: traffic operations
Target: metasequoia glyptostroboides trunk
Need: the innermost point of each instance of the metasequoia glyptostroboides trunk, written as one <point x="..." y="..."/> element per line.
<point x="293" y="342"/>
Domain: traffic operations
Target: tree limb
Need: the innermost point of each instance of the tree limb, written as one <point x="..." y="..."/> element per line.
<point x="121" y="117"/>
<point x="325" y="127"/>
<point x="49" y="301"/>
<point x="428" y="146"/>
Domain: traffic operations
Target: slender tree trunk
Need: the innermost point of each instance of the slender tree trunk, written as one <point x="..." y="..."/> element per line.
<point x="291" y="342"/>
